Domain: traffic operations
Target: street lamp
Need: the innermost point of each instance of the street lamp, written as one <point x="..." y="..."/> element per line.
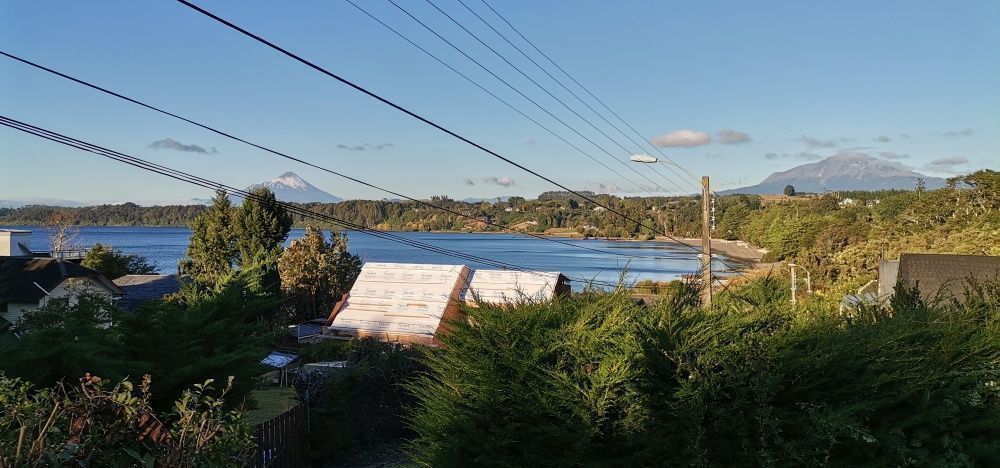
<point x="648" y="159"/>
<point x="707" y="220"/>
<point x="791" y="268"/>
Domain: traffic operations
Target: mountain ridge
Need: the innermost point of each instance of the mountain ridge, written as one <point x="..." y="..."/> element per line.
<point x="842" y="171"/>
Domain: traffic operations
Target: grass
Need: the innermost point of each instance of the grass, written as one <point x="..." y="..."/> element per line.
<point x="269" y="403"/>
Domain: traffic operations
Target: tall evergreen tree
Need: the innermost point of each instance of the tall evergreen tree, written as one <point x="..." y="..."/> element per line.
<point x="212" y="250"/>
<point x="260" y="227"/>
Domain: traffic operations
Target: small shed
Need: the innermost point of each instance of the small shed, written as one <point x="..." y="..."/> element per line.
<point x="281" y="362"/>
<point x="402" y="302"/>
<point x="507" y="286"/>
<point x="944" y="275"/>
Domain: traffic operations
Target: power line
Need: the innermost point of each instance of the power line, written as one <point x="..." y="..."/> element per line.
<point x="425" y="120"/>
<point x="525" y="96"/>
<point x="619" y="117"/>
<point x="206" y="183"/>
<point x="560" y="83"/>
<point x="307" y="163"/>
<point x="553" y="96"/>
<point x="481" y="87"/>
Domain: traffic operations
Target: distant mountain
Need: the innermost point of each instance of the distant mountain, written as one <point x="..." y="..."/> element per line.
<point x="488" y="200"/>
<point x="844" y="171"/>
<point x="22" y="202"/>
<point x="289" y="187"/>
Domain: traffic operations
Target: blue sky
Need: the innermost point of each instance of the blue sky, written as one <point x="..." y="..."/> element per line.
<point x="917" y="81"/>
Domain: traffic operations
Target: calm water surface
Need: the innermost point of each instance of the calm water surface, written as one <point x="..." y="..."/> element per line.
<point x="164" y="246"/>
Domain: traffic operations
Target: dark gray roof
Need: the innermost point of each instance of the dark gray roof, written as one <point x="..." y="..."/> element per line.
<point x="22" y="279"/>
<point x="945" y="275"/>
<point x="144" y="288"/>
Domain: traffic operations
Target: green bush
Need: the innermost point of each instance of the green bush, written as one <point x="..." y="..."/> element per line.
<point x="90" y="425"/>
<point x="597" y="380"/>
<point x="361" y="407"/>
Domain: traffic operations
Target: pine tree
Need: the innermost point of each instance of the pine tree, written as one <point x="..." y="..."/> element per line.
<point x="212" y="249"/>
<point x="315" y="273"/>
<point x="260" y="227"/>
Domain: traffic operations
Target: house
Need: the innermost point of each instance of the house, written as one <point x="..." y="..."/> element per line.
<point x="140" y="289"/>
<point x="846" y="202"/>
<point x="936" y="275"/>
<point x="15" y="243"/>
<point x="27" y="283"/>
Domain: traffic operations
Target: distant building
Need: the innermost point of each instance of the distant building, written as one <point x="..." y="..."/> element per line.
<point x="15" y="243"/>
<point x="27" y="283"/>
<point x="846" y="202"/>
<point x="936" y="275"/>
<point x="140" y="289"/>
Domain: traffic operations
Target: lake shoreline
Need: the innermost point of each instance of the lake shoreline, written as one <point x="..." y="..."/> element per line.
<point x="746" y="257"/>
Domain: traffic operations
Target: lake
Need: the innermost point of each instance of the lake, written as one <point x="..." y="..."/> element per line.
<point x="164" y="246"/>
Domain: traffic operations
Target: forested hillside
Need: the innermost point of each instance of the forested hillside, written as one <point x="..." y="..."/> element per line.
<point x="834" y="234"/>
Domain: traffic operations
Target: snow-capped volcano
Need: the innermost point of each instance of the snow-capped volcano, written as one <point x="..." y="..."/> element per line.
<point x="289" y="187"/>
<point x="848" y="170"/>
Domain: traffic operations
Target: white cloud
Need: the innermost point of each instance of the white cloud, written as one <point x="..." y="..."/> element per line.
<point x="172" y="144"/>
<point x="801" y="155"/>
<point x="728" y="136"/>
<point x="366" y="147"/>
<point x="684" y="138"/>
<point x="504" y="181"/>
<point x="947" y="164"/>
<point x="818" y="142"/>
<point x="961" y="133"/>
<point x="891" y="155"/>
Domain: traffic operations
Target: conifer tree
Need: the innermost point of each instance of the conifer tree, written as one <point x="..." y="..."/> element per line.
<point x="212" y="250"/>
<point x="260" y="228"/>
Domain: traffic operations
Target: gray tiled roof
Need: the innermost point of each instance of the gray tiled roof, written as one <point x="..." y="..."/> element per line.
<point x="22" y="279"/>
<point x="144" y="288"/>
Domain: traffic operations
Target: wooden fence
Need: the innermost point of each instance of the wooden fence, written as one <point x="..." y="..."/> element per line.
<point x="283" y="441"/>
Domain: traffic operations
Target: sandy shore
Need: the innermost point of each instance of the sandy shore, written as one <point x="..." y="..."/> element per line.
<point x="737" y="250"/>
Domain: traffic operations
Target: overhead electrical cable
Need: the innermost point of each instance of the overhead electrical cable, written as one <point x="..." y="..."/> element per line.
<point x="429" y="122"/>
<point x="526" y="97"/>
<point x="557" y="81"/>
<point x="515" y="67"/>
<point x="209" y="184"/>
<point x="307" y="163"/>
<point x="599" y="101"/>
<point x="494" y="95"/>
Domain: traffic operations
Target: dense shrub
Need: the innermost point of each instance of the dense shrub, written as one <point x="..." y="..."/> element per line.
<point x="598" y="380"/>
<point x="89" y="424"/>
<point x="360" y="407"/>
<point x="180" y="342"/>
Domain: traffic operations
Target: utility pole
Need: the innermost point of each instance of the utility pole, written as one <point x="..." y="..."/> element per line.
<point x="706" y="243"/>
